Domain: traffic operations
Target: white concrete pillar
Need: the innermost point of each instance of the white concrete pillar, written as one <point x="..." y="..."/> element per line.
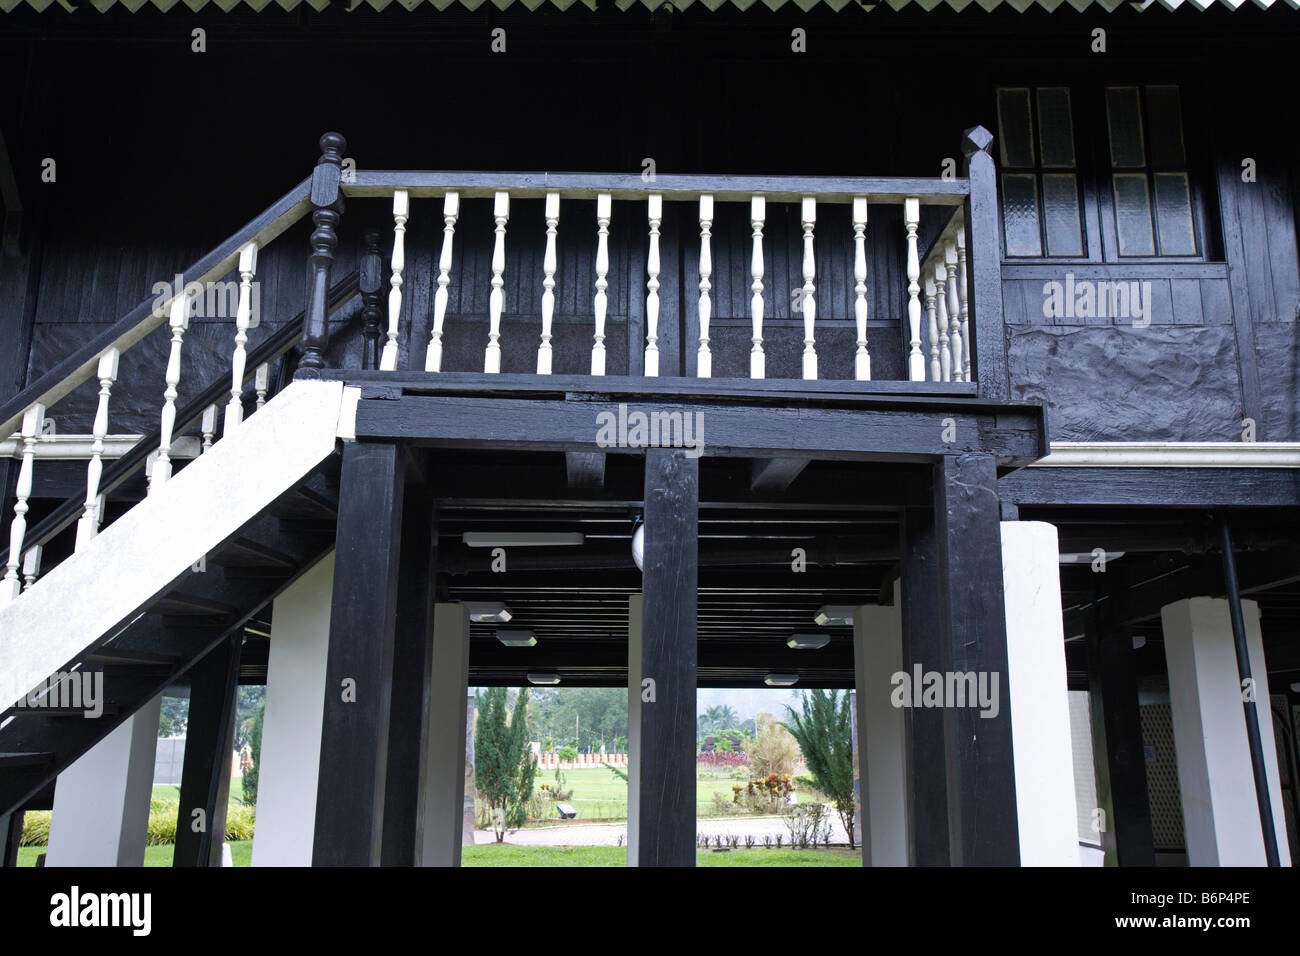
<point x="633" y="726"/>
<point x="882" y="734"/>
<point x="438" y="833"/>
<point x="1041" y="743"/>
<point x="101" y="802"/>
<point x="291" y="725"/>
<point x="1220" y="812"/>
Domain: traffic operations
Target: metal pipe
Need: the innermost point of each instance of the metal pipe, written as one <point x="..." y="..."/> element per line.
<point x="1249" y="701"/>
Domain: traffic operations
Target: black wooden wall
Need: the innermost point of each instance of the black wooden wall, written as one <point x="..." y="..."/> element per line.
<point x="162" y="152"/>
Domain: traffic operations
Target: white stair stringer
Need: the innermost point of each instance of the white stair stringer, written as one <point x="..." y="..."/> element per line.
<point x="135" y="559"/>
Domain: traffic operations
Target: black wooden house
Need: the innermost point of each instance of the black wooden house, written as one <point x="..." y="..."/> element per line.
<point x="970" y="332"/>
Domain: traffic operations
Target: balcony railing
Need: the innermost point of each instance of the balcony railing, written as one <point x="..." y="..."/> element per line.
<point x="945" y="353"/>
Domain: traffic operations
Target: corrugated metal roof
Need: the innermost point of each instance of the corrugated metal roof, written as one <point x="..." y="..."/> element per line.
<point x="1020" y="5"/>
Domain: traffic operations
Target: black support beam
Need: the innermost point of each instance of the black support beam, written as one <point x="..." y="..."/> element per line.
<point x="668" y="658"/>
<point x="354" y="732"/>
<point x="982" y="827"/>
<point x="209" y="742"/>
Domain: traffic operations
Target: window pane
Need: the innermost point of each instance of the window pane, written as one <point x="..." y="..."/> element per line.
<point x="1125" y="127"/>
<point x="1174" y="213"/>
<point x="1055" y="130"/>
<point x="1133" y="215"/>
<point x="1020" y="214"/>
<point x="1165" y="127"/>
<point x="1061" y="214"/>
<point x="1017" y="133"/>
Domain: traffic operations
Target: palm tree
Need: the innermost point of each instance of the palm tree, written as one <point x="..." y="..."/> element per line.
<point x="713" y="718"/>
<point x="728" y="718"/>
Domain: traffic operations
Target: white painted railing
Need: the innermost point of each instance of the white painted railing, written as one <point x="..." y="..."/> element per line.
<point x="947" y="304"/>
<point x="943" y="303"/>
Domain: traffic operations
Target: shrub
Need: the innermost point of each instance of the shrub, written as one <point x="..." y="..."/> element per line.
<point x="240" y="821"/>
<point x="36" y="828"/>
<point x="568" y="753"/>
<point x="773" y="749"/>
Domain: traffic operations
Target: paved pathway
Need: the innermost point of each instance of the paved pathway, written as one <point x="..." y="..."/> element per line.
<point x="607" y="834"/>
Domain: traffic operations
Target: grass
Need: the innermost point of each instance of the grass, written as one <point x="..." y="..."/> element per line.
<point x="240" y="850"/>
<point x="599" y="795"/>
<point x="506" y="855"/>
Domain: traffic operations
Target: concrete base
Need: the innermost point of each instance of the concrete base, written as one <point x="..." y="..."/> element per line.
<point x="1220" y="810"/>
<point x="291" y="727"/>
<point x="101" y="802"/>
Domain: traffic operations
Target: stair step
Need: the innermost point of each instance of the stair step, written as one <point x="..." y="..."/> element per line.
<point x="9" y="761"/>
<point x="304" y="502"/>
<point x="109" y="709"/>
<point x="180" y="604"/>
<point x="247" y="553"/>
<point x="117" y="655"/>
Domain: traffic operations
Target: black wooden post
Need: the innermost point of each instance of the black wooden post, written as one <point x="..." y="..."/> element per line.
<point x="670" y="579"/>
<point x="412" y="644"/>
<point x="328" y="203"/>
<point x="982" y="821"/>
<point x="209" y="743"/>
<point x="371" y="281"/>
<point x="11" y="832"/>
<point x="354" y="732"/>
<point x="985" y="264"/>
<point x="1249" y="703"/>
<point x="1119" y="758"/>
<point x="923" y="646"/>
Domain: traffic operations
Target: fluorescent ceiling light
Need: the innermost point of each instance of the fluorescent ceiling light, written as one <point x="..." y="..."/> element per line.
<point x="517" y="638"/>
<point x="781" y="680"/>
<point x="834" y="614"/>
<point x="808" y="642"/>
<point x="520" y="539"/>
<point x="638" y="544"/>
<point x="544" y="679"/>
<point x="1088" y="557"/>
<point x="488" y="612"/>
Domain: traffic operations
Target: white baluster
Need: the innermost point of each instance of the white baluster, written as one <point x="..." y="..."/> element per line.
<point x="497" y="298"/>
<point x="655" y="208"/>
<point x="604" y="207"/>
<point x="88" y="525"/>
<point x="945" y="355"/>
<point x="180" y="323"/>
<point x="209" y="426"/>
<point x="401" y="213"/>
<point x="935" y="373"/>
<point x="704" y="358"/>
<point x="915" y="360"/>
<point x="243" y="314"/>
<point x="757" y="215"/>
<point x="32" y="565"/>
<point x="962" y="293"/>
<point x="33" y="421"/>
<point x="954" y="310"/>
<point x="450" y="210"/>
<point x="548" y="283"/>
<point x="862" y="359"/>
<point x="808" y="217"/>
<point x="262" y="382"/>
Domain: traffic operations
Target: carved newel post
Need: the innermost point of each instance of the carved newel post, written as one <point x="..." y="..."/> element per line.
<point x="328" y="203"/>
<point x="372" y="280"/>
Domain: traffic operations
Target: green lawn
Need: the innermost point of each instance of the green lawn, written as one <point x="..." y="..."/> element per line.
<point x="506" y="855"/>
<point x="599" y="795"/>
<point x="240" y="850"/>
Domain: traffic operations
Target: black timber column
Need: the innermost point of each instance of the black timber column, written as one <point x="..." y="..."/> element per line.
<point x="1118" y="754"/>
<point x="670" y="579"/>
<point x="923" y="647"/>
<point x="209" y="743"/>
<point x="982" y="822"/>
<point x="412" y="645"/>
<point x="11" y="832"/>
<point x="983" y="218"/>
<point x="354" y="734"/>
